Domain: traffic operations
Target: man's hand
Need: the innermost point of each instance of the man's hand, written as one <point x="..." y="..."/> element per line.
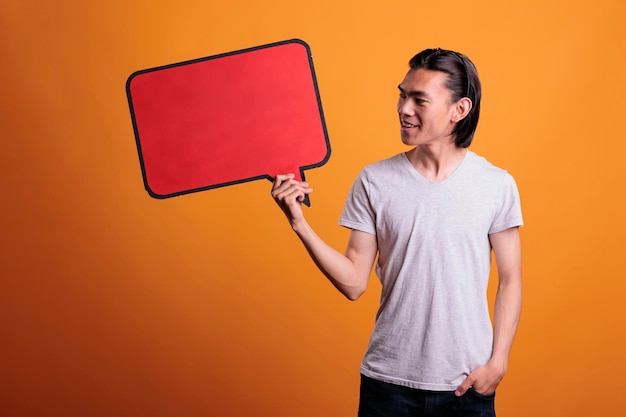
<point x="483" y="380"/>
<point x="289" y="195"/>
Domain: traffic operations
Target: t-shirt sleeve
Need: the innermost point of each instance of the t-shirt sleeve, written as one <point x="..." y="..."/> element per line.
<point x="357" y="212"/>
<point x="510" y="212"/>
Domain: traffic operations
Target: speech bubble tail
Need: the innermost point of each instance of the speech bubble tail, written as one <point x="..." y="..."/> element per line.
<point x="307" y="200"/>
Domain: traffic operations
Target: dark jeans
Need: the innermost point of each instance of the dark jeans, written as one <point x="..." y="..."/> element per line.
<point x="380" y="399"/>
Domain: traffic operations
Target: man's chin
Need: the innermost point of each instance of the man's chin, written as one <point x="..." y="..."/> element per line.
<point x="407" y="139"/>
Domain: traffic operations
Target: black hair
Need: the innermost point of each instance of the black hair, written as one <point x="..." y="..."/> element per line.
<point x="462" y="82"/>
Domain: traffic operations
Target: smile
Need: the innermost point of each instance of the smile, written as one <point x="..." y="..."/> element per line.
<point x="406" y="124"/>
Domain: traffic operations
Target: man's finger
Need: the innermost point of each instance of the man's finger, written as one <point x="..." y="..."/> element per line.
<point x="280" y="179"/>
<point x="462" y="389"/>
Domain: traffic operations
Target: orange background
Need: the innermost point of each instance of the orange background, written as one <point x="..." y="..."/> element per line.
<point x="116" y="304"/>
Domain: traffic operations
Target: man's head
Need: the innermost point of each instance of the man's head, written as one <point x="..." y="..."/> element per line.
<point x="462" y="81"/>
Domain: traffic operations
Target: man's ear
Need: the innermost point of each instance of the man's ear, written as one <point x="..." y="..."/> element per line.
<point x="461" y="109"/>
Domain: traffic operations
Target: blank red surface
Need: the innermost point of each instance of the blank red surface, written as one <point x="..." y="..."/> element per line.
<point x="229" y="118"/>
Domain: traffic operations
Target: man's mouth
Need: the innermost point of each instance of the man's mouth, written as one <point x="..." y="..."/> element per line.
<point x="406" y="124"/>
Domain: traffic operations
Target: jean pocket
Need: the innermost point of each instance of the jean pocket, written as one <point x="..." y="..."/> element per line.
<point x="486" y="397"/>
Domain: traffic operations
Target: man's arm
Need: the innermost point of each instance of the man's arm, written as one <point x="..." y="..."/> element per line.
<point x="508" y="305"/>
<point x="349" y="273"/>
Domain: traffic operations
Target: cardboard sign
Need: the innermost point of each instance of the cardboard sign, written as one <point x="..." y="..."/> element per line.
<point x="228" y="119"/>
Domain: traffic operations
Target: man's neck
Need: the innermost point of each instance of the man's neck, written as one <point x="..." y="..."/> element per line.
<point x="436" y="162"/>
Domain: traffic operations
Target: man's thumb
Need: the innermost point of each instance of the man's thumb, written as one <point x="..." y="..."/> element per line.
<point x="462" y="389"/>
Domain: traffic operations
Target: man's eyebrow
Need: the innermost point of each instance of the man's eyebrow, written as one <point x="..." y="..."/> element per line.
<point x="413" y="93"/>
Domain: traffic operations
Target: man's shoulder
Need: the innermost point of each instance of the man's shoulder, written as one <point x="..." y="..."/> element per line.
<point x="388" y="164"/>
<point x="480" y="163"/>
<point x="485" y="175"/>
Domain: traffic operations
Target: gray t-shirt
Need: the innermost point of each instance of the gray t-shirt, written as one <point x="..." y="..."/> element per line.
<point x="433" y="326"/>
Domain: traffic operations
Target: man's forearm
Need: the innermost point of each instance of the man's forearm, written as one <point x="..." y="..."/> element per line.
<point x="507" y="311"/>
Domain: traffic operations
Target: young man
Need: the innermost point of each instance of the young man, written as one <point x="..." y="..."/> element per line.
<point x="432" y="215"/>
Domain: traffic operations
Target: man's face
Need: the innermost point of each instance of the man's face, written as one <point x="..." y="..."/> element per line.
<point x="425" y="108"/>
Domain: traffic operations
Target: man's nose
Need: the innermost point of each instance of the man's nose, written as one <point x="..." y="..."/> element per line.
<point x="404" y="107"/>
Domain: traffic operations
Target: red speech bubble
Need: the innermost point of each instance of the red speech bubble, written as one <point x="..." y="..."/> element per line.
<point x="228" y="119"/>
